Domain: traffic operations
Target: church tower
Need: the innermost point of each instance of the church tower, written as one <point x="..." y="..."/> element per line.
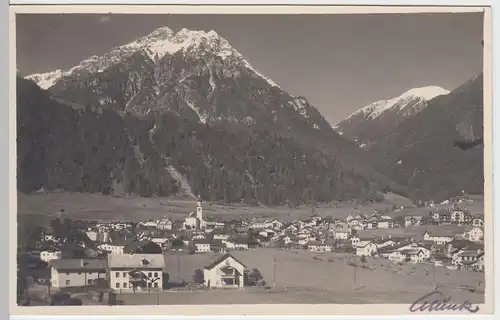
<point x="199" y="210"/>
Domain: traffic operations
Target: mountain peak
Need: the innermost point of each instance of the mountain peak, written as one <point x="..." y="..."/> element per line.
<point x="377" y="108"/>
<point x="157" y="44"/>
<point x="427" y="93"/>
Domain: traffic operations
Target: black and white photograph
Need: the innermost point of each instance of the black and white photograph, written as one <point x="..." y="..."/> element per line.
<point x="252" y="159"/>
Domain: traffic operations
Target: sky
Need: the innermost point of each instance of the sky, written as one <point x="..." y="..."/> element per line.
<point x="340" y="63"/>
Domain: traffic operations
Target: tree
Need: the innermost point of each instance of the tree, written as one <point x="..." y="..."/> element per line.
<point x="177" y="243"/>
<point x="254" y="277"/>
<point x="150" y="247"/>
<point x="363" y="259"/>
<point x="198" y="276"/>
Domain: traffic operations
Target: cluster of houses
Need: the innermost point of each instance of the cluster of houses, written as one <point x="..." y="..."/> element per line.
<point x="117" y="259"/>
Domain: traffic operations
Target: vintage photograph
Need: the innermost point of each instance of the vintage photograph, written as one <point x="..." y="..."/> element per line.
<point x="215" y="159"/>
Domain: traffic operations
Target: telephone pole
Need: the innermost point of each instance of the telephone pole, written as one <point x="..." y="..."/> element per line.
<point x="354" y="276"/>
<point x="274" y="272"/>
<point x="178" y="271"/>
<point x="433" y="274"/>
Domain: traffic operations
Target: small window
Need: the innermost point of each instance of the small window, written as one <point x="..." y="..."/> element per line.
<point x="150" y="274"/>
<point x="124" y="284"/>
<point x="117" y="274"/>
<point x="124" y="274"/>
<point x="155" y="284"/>
<point x="118" y="285"/>
<point x="156" y="274"/>
<point x="67" y="273"/>
<point x="67" y="282"/>
<point x="79" y="273"/>
<point x="89" y="281"/>
<point x="149" y="285"/>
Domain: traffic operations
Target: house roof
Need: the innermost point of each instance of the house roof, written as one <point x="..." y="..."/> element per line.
<point x="202" y="241"/>
<point x="470" y="253"/>
<point x="136" y="261"/>
<point x="470" y="228"/>
<point x="76" y="264"/>
<point x="222" y="258"/>
<point x="363" y="244"/>
<point x="314" y="243"/>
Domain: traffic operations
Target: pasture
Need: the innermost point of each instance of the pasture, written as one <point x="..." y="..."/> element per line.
<point x="307" y="277"/>
<point x="100" y="207"/>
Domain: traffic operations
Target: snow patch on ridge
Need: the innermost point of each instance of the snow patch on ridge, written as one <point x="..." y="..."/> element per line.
<point x="378" y="108"/>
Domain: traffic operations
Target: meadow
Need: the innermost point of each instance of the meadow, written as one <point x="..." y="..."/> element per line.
<point x="307" y="277"/>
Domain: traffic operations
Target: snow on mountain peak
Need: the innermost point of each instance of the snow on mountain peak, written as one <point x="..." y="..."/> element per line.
<point x="376" y="109"/>
<point x="156" y="45"/>
<point x="426" y="93"/>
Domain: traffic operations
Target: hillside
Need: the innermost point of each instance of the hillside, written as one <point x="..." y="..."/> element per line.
<point x="420" y="152"/>
<point x="183" y="112"/>
<point x="368" y="124"/>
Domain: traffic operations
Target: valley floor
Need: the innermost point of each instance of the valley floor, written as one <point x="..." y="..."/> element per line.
<point x="316" y="278"/>
<point x="100" y="207"/>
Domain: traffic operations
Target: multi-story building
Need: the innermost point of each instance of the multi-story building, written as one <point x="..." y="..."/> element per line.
<point x="129" y="272"/>
<point x="76" y="272"/>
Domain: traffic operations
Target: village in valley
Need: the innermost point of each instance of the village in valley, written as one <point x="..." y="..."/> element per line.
<point x="76" y="261"/>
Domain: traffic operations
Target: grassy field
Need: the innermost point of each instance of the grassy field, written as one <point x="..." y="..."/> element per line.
<point x="307" y="277"/>
<point x="100" y="207"/>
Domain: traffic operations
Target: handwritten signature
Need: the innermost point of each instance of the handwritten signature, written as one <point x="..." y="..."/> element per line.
<point x="437" y="301"/>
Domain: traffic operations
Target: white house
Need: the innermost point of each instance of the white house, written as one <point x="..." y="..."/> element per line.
<point x="366" y="248"/>
<point x="474" y="234"/>
<point x="477" y="222"/>
<point x="382" y="243"/>
<point x="385" y="224"/>
<point x="48" y="255"/>
<point x="266" y="223"/>
<point x="221" y="236"/>
<point x="417" y="256"/>
<point x="342" y="232"/>
<point x="416" y="247"/>
<point x="410" y="221"/>
<point x="318" y="246"/>
<point x="438" y="238"/>
<point x="225" y="272"/>
<point x="165" y="224"/>
<point x="397" y="256"/>
<point x="354" y="240"/>
<point x="111" y="248"/>
<point x="135" y="271"/>
<point x="201" y="245"/>
<point x="76" y="272"/>
<point x="92" y="235"/>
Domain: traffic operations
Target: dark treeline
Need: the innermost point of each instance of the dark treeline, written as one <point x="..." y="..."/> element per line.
<point x="100" y="151"/>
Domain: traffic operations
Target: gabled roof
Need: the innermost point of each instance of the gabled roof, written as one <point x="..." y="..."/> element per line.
<point x="136" y="260"/>
<point x="363" y="244"/>
<point x="222" y="258"/>
<point x="79" y="264"/>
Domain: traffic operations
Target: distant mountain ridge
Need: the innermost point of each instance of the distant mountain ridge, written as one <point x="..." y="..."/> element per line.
<point x="373" y="121"/>
<point x="183" y="110"/>
<point x="421" y="152"/>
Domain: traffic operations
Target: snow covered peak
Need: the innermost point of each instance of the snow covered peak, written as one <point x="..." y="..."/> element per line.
<point x="156" y="45"/>
<point x="426" y="93"/>
<point x="164" y="41"/>
<point x="411" y="99"/>
<point x="47" y="79"/>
